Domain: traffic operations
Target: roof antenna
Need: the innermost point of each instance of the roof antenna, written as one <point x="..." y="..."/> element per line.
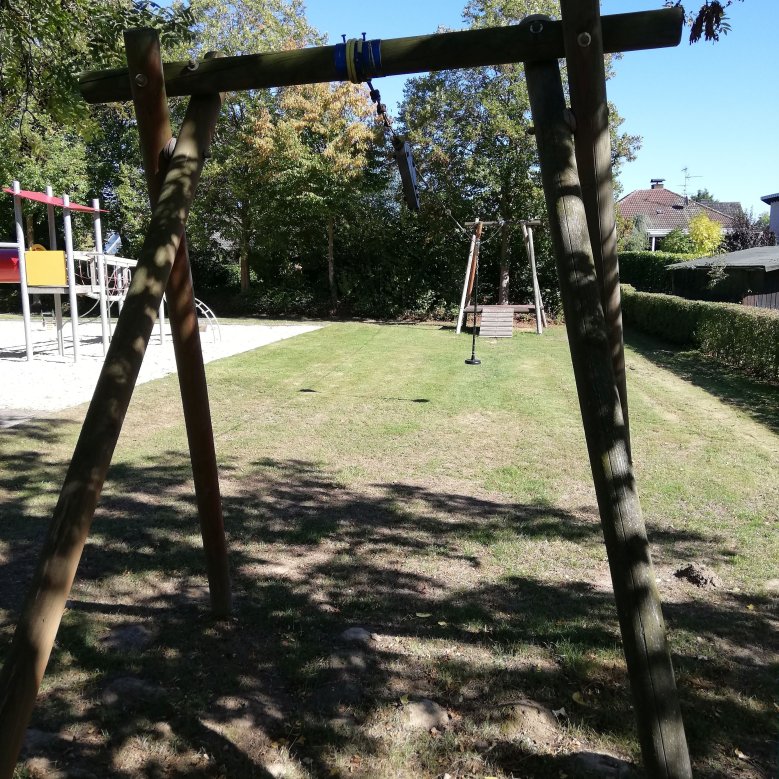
<point x="687" y="177"/>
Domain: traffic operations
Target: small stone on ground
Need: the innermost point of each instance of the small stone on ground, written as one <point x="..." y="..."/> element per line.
<point x="130" y="691"/>
<point x="425" y="715"/>
<point x="128" y="638"/>
<point x="531" y="721"/>
<point x="593" y="765"/>
<point x="356" y="635"/>
<point x="772" y="585"/>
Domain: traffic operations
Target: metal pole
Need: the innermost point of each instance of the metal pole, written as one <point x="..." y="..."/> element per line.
<point x="57" y="297"/>
<point x="100" y="260"/>
<point x="42" y="611"/>
<point x="473" y="359"/>
<point x="656" y="703"/>
<point x="73" y="300"/>
<point x="22" y="270"/>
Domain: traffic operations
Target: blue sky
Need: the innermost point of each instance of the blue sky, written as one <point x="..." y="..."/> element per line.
<point x="710" y="108"/>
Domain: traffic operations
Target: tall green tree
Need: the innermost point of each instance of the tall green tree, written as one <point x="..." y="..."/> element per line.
<point x="471" y="131"/>
<point x="235" y="198"/>
<point x="321" y="153"/>
<point x="45" y="44"/>
<point x="48" y="134"/>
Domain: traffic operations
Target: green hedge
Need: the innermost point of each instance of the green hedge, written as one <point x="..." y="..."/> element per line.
<point x="648" y="271"/>
<point x="743" y="337"/>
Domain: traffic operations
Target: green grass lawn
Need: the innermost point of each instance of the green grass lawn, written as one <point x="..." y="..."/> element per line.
<point x="371" y="479"/>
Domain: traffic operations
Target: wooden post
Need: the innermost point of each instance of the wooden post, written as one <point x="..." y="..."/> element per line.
<point x="473" y="278"/>
<point x="151" y="110"/>
<point x="583" y="37"/>
<point x="660" y="728"/>
<point x="42" y="611"/>
<point x="466" y="284"/>
<point x="504" y="276"/>
<point x="477" y="231"/>
<point x="527" y="233"/>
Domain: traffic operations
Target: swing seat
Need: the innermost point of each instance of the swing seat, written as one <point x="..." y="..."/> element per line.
<point x="497" y="322"/>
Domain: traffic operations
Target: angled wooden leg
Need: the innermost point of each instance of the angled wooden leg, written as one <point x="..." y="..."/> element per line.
<point x="151" y="110"/>
<point x="42" y="611"/>
<point x="583" y="39"/>
<point x="659" y="721"/>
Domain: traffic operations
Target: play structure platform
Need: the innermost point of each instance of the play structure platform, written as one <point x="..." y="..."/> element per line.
<point x="104" y="278"/>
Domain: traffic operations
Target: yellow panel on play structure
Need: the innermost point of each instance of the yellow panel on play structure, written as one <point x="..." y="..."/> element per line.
<point x="45" y="269"/>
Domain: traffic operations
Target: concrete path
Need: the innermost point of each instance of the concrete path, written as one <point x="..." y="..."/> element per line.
<point x="52" y="383"/>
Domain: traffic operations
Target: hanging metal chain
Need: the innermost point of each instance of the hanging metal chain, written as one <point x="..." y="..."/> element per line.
<point x="398" y="143"/>
<point x="381" y="110"/>
<point x="403" y="155"/>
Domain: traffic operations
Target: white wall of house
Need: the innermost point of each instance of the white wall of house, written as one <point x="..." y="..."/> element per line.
<point x="773" y="218"/>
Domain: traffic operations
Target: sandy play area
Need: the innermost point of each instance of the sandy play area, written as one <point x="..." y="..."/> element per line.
<point x="51" y="382"/>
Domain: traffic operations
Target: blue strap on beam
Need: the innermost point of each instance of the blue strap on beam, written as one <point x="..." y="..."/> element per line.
<point x="365" y="60"/>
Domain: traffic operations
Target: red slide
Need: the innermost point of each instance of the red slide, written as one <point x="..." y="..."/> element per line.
<point x="9" y="266"/>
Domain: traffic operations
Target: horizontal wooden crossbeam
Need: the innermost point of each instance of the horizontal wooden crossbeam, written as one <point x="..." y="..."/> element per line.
<point x="526" y="42"/>
<point x="527" y="222"/>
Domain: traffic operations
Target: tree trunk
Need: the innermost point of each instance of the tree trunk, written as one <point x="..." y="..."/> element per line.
<point x="331" y="262"/>
<point x="503" y="288"/>
<point x="243" y="251"/>
<point x="30" y="237"/>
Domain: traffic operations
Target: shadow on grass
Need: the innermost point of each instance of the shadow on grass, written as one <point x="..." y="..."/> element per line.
<point x="311" y="558"/>
<point x="760" y="400"/>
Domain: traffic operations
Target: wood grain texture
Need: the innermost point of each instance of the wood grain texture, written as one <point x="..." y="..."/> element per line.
<point x="658" y="717"/>
<point x="443" y="51"/>
<point x="45" y="602"/>
<point x="583" y="38"/>
<point x="153" y="118"/>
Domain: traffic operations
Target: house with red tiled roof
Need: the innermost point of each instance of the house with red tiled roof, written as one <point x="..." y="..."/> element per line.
<point x="665" y="210"/>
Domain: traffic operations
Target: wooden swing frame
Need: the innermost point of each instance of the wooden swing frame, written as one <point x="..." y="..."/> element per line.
<point x="574" y="151"/>
<point x="474" y="256"/>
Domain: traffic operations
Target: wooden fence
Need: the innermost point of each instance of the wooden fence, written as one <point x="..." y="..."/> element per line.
<point x="766" y="300"/>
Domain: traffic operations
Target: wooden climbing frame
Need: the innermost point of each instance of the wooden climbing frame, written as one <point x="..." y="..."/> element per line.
<point x="574" y="152"/>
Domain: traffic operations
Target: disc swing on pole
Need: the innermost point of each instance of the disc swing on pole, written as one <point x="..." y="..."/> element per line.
<point x="357" y="51"/>
<point x="473" y="359"/>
